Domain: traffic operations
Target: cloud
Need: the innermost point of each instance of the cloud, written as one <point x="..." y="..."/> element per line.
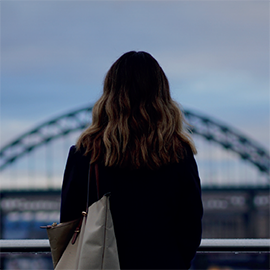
<point x="53" y="34"/>
<point x="216" y="54"/>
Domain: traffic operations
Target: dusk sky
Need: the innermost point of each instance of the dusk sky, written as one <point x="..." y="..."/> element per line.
<point x="54" y="56"/>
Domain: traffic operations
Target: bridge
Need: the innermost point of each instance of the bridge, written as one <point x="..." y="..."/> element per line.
<point x="226" y="156"/>
<point x="234" y="171"/>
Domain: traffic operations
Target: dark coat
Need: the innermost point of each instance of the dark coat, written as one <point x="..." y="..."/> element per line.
<point x="156" y="213"/>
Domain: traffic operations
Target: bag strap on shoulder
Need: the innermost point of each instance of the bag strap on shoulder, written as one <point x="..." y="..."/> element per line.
<point x="97" y="180"/>
<point x="92" y="173"/>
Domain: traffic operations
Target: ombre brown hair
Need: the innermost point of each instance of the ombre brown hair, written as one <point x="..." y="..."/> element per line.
<point x="136" y="123"/>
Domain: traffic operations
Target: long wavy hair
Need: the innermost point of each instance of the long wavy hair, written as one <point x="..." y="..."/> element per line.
<point x="136" y="123"/>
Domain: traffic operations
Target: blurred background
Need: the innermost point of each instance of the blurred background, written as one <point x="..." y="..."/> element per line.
<point x="54" y="56"/>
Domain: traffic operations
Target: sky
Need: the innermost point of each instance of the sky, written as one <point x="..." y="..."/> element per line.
<point x="55" y="54"/>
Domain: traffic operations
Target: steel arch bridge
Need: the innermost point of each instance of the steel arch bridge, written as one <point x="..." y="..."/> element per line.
<point x="209" y="129"/>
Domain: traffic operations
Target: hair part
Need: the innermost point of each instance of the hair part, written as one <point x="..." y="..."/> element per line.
<point x="135" y="123"/>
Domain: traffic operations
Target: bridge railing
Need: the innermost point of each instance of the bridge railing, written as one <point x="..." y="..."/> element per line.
<point x="253" y="254"/>
<point x="207" y="245"/>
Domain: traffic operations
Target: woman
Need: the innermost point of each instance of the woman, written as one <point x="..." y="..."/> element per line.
<point x="145" y="160"/>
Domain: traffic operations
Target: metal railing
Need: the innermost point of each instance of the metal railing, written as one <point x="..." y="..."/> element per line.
<point x="207" y="245"/>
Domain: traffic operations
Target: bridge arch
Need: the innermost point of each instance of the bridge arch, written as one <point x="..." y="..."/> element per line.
<point x="206" y="127"/>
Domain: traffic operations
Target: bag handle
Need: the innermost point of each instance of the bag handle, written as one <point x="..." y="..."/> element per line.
<point x="93" y="172"/>
<point x="90" y="175"/>
<point x="97" y="180"/>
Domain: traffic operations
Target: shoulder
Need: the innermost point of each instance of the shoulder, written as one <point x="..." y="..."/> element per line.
<point x="187" y="165"/>
<point x="187" y="151"/>
<point x="76" y="152"/>
<point x="77" y="165"/>
<point x="77" y="158"/>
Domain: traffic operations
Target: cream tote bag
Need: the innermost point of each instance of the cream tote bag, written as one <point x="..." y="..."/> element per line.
<point x="87" y="243"/>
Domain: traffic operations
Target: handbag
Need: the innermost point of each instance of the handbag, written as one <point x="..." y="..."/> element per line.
<point x="88" y="242"/>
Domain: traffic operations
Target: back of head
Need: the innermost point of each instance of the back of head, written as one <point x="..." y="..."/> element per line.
<point x="135" y="122"/>
<point x="137" y="78"/>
